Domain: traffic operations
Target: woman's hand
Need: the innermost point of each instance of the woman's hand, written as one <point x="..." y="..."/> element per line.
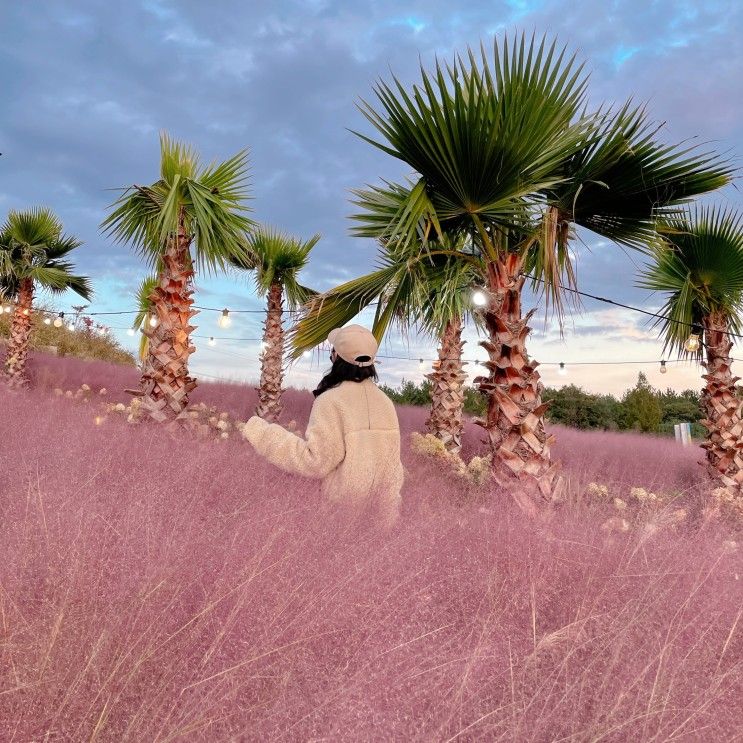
<point x="252" y="428"/>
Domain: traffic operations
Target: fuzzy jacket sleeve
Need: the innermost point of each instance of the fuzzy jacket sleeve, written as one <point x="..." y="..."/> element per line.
<point x="316" y="455"/>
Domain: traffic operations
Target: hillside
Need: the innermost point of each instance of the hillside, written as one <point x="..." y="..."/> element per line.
<point x="83" y="344"/>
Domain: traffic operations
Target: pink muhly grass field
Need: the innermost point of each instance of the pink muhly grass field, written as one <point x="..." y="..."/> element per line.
<point x="157" y="587"/>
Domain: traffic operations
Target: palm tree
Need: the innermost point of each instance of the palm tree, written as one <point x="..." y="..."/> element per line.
<point x="144" y="316"/>
<point x="275" y="259"/>
<point x="410" y="288"/>
<point x="445" y="290"/>
<point x="698" y="265"/>
<point x="193" y="215"/>
<point x="33" y="253"/>
<point x="493" y="142"/>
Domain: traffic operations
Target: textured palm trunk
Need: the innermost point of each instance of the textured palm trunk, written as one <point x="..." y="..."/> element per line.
<point x="447" y="389"/>
<point x="165" y="383"/>
<point x="272" y="359"/>
<point x="515" y="417"/>
<point x="20" y="336"/>
<point x="722" y="408"/>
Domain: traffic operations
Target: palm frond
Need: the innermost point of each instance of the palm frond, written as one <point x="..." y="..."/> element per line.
<point x="143" y="298"/>
<point x="38" y="226"/>
<point x="622" y="178"/>
<point x="425" y="288"/>
<point x="482" y="133"/>
<point x="209" y="202"/>
<point x="275" y="257"/>
<point x="58" y="279"/>
<point x="338" y="306"/>
<point x="697" y="263"/>
<point x="32" y="246"/>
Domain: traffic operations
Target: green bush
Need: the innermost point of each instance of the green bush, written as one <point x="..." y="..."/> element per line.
<point x="410" y="393"/>
<point x="641" y="408"/>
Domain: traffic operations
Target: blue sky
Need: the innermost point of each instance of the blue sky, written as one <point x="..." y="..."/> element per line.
<point x="87" y="86"/>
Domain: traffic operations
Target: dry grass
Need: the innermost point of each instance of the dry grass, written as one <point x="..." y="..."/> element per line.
<point x="155" y="586"/>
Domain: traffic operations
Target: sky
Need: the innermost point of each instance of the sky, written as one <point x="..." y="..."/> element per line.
<point x="87" y="86"/>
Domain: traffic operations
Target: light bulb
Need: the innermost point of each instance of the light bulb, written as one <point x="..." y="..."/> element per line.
<point x="224" y="319"/>
<point x="479" y="298"/>
<point x="421" y="365"/>
<point x="663" y="368"/>
<point x="26" y="311"/>
<point x="59" y="320"/>
<point x="692" y="343"/>
<point x="153" y="321"/>
<point x="47" y="321"/>
<point x="130" y="331"/>
<point x="562" y="371"/>
<point x="7" y="309"/>
<point x="212" y="342"/>
<point x="71" y="326"/>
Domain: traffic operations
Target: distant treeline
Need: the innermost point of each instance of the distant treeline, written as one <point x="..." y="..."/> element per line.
<point x="641" y="408"/>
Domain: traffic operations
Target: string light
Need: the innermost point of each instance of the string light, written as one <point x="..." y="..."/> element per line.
<point x="224" y="319"/>
<point x="692" y="343"/>
<point x="71" y="326"/>
<point x="7" y="309"/>
<point x="479" y="298"/>
<point x="26" y="311"/>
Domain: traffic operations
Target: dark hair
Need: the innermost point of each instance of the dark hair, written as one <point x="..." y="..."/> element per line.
<point x="342" y="371"/>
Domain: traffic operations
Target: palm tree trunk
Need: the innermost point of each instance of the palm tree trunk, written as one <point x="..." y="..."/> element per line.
<point x="515" y="417"/>
<point x="165" y="383"/>
<point x="272" y="359"/>
<point x="447" y="389"/>
<point x="722" y="408"/>
<point x="20" y="335"/>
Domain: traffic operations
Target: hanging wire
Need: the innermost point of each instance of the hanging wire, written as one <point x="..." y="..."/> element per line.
<point x="595" y="297"/>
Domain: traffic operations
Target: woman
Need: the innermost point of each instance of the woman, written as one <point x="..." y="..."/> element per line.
<point x="352" y="440"/>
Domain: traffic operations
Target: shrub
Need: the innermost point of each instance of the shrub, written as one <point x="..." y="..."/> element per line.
<point x="82" y="344"/>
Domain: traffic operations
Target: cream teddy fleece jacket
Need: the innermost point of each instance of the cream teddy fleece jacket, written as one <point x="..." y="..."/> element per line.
<point x="352" y="443"/>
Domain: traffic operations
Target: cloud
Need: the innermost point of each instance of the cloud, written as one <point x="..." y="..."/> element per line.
<point x="87" y="90"/>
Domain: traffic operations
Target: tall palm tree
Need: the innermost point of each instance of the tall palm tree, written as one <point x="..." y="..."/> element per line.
<point x="275" y="259"/>
<point x="698" y="265"/>
<point x="194" y="215"/>
<point x="491" y="138"/>
<point x="33" y="252"/>
<point x="410" y="288"/>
